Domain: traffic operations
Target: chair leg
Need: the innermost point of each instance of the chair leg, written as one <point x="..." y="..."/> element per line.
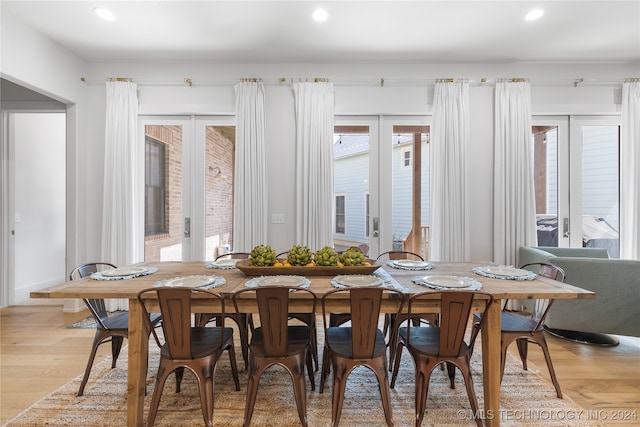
<point x="244" y="338"/>
<point x="309" y="360"/>
<point x="255" y="372"/>
<point x="504" y="345"/>
<point x="383" y="384"/>
<point x="468" y="382"/>
<point x="523" y="345"/>
<point x="324" y="373"/>
<point x="296" y="369"/>
<point x="97" y="340"/>
<point x="396" y="365"/>
<point x="179" y="376"/>
<point x="234" y="366"/>
<point x="161" y="377"/>
<point x="206" y="397"/>
<point x="116" y="345"/>
<point x="552" y="373"/>
<point x="451" y="372"/>
<point x="423" y="376"/>
<point x="337" y="393"/>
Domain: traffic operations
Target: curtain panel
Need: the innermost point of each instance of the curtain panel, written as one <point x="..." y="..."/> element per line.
<point x="514" y="198"/>
<point x="250" y="192"/>
<point x="122" y="204"/>
<point x="448" y="165"/>
<point x="314" y="107"/>
<point x="630" y="171"/>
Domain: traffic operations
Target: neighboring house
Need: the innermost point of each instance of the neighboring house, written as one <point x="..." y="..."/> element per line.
<point x="351" y="187"/>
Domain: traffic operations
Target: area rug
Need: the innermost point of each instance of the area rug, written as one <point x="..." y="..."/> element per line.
<point x="527" y="399"/>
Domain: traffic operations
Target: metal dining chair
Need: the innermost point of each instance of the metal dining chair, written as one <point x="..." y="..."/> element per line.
<point x="110" y="327"/>
<point x="197" y="349"/>
<point x="276" y="342"/>
<point x="441" y="344"/>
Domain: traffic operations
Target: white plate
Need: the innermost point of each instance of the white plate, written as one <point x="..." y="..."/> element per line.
<point x="411" y="263"/>
<point x="505" y="271"/>
<point x="281" y="281"/>
<point x="190" y="281"/>
<point x="447" y="281"/>
<point x="123" y="271"/>
<point x="355" y="280"/>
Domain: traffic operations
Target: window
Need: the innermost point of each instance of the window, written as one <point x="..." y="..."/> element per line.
<point x="154" y="187"/>
<point x="341" y="214"/>
<point x="406" y="158"/>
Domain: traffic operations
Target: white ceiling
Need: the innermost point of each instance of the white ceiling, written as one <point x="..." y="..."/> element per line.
<point x="356" y="31"/>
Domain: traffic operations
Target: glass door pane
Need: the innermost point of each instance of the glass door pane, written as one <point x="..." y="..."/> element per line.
<point x="351" y="189"/>
<point x="600" y="188"/>
<point x="550" y="140"/>
<point x="405" y="180"/>
<point x="545" y="147"/>
<point x="219" y="177"/>
<point x="163" y="192"/>
<point x="410" y="188"/>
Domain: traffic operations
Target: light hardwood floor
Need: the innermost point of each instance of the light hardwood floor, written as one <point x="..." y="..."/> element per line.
<point x="39" y="354"/>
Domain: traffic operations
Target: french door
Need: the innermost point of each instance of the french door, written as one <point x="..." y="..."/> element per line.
<point x="577" y="181"/>
<point x="381" y="183"/>
<point x="188" y="192"/>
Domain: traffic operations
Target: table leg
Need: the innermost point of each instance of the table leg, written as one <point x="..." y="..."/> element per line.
<point x="491" y="363"/>
<point x="137" y="369"/>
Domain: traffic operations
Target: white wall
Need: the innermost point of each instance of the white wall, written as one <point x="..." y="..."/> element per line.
<point x="39" y="251"/>
<point x="32" y="60"/>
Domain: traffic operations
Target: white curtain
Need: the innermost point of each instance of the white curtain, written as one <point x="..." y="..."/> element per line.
<point x="630" y="171"/>
<point x="122" y="156"/>
<point x="514" y="223"/>
<point x="314" y="106"/>
<point x="448" y="165"/>
<point x="250" y="193"/>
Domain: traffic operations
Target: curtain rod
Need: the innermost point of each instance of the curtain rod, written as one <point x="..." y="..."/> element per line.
<point x="187" y="81"/>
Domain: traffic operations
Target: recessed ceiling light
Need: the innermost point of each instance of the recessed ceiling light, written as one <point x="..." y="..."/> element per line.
<point x="320" y="15"/>
<point x="534" y="14"/>
<point x="103" y="13"/>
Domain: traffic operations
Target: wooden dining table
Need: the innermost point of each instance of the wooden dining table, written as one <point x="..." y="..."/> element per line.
<point x="501" y="289"/>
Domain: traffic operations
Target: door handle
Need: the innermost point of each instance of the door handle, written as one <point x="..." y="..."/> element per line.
<point x="376" y="226"/>
<point x="187" y="227"/>
<point x="565" y="227"/>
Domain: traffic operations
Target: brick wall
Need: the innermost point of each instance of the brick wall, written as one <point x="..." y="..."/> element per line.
<point x="220" y="152"/>
<point x="171" y="136"/>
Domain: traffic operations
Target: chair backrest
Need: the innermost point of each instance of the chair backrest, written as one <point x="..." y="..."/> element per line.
<point x="175" y="308"/>
<point x="364" y="306"/>
<point x="542" y="306"/>
<point x="455" y="308"/>
<point x="95" y="305"/>
<point x="392" y="255"/>
<point x="273" y="309"/>
<point x="234" y="255"/>
<point x="85" y="270"/>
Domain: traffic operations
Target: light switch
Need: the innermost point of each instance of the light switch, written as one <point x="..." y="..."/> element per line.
<point x="277" y="218"/>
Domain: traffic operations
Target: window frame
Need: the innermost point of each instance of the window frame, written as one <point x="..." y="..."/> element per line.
<point x="162" y="224"/>
<point x="344" y="214"/>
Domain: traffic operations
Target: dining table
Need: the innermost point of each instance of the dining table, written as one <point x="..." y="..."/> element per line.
<point x="501" y="288"/>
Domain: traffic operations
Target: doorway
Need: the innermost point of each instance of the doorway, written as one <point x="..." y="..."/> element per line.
<point x="34" y="202"/>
